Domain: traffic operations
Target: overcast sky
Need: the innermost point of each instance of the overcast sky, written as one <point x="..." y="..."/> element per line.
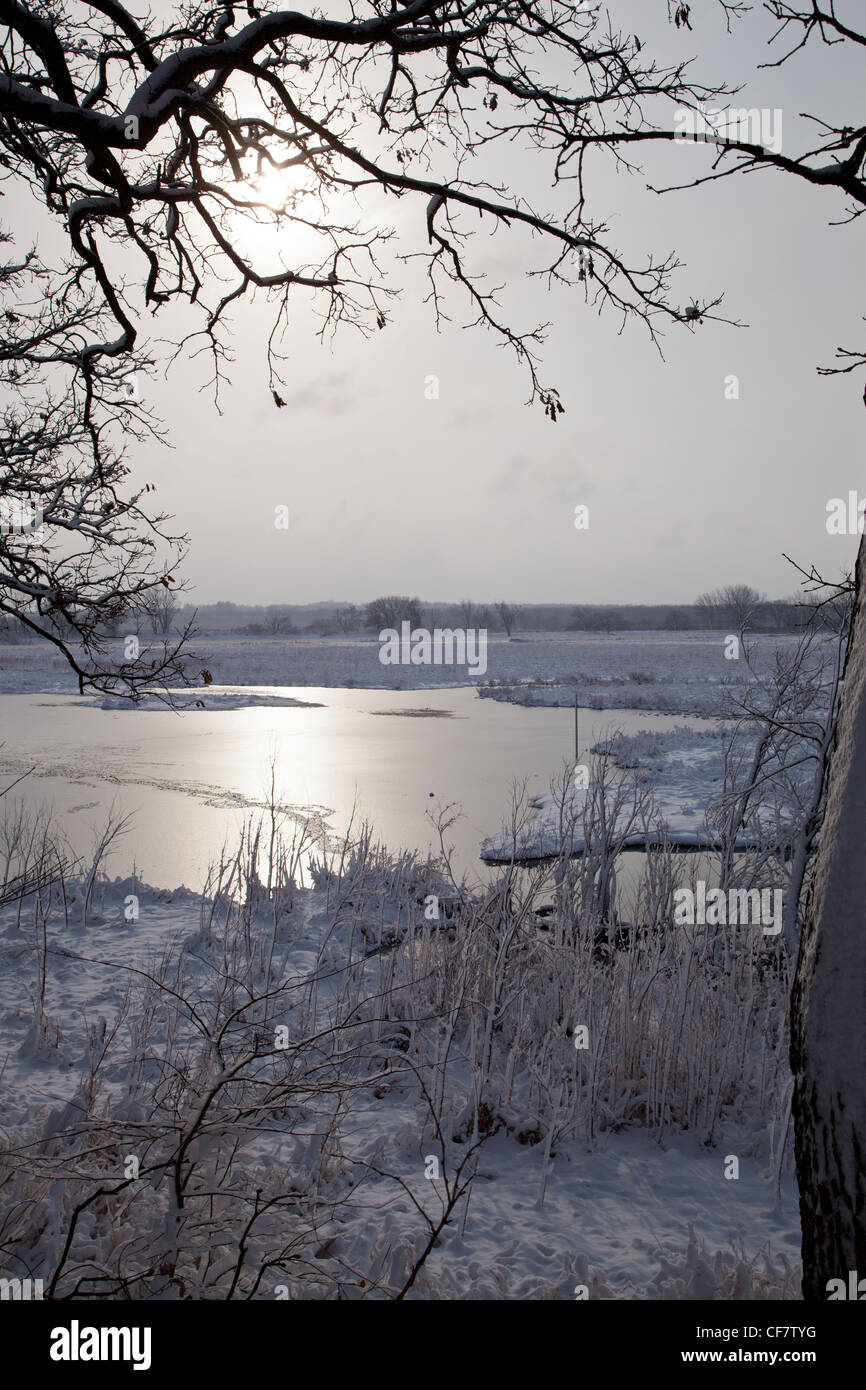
<point x="473" y="494"/>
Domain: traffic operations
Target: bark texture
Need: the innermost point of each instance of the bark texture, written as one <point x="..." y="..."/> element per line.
<point x="828" y="1005"/>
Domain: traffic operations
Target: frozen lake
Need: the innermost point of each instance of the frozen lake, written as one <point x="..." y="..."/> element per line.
<point x="192" y="779"/>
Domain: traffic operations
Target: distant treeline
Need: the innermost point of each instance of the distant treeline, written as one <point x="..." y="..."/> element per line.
<point x="728" y="610"/>
<point x="734" y="609"/>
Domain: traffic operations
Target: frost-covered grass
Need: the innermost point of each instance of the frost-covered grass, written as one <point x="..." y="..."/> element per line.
<point x="688" y="773"/>
<point x="674" y="672"/>
<point x="684" y="769"/>
<point x="367" y="1081"/>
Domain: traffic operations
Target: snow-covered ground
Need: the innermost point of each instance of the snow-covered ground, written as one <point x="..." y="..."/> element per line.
<point x="686" y="673"/>
<point x="622" y="1216"/>
<point x="218" y="698"/>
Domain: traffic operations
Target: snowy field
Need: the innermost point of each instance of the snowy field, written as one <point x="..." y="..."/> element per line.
<point x="679" y="673"/>
<point x="600" y="1174"/>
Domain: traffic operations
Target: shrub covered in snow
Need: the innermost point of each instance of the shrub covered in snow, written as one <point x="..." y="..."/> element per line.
<point x="341" y="1073"/>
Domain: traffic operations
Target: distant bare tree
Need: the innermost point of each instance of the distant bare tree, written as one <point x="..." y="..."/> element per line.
<point x="508" y="614"/>
<point x="161" y="609"/>
<point x="735" y="606"/>
<point x="744" y="603"/>
<point x="278" y="622"/>
<point x="391" y="610"/>
<point x="348" y="618"/>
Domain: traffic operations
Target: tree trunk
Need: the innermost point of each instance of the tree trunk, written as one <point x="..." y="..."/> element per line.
<point x="828" y="1003"/>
